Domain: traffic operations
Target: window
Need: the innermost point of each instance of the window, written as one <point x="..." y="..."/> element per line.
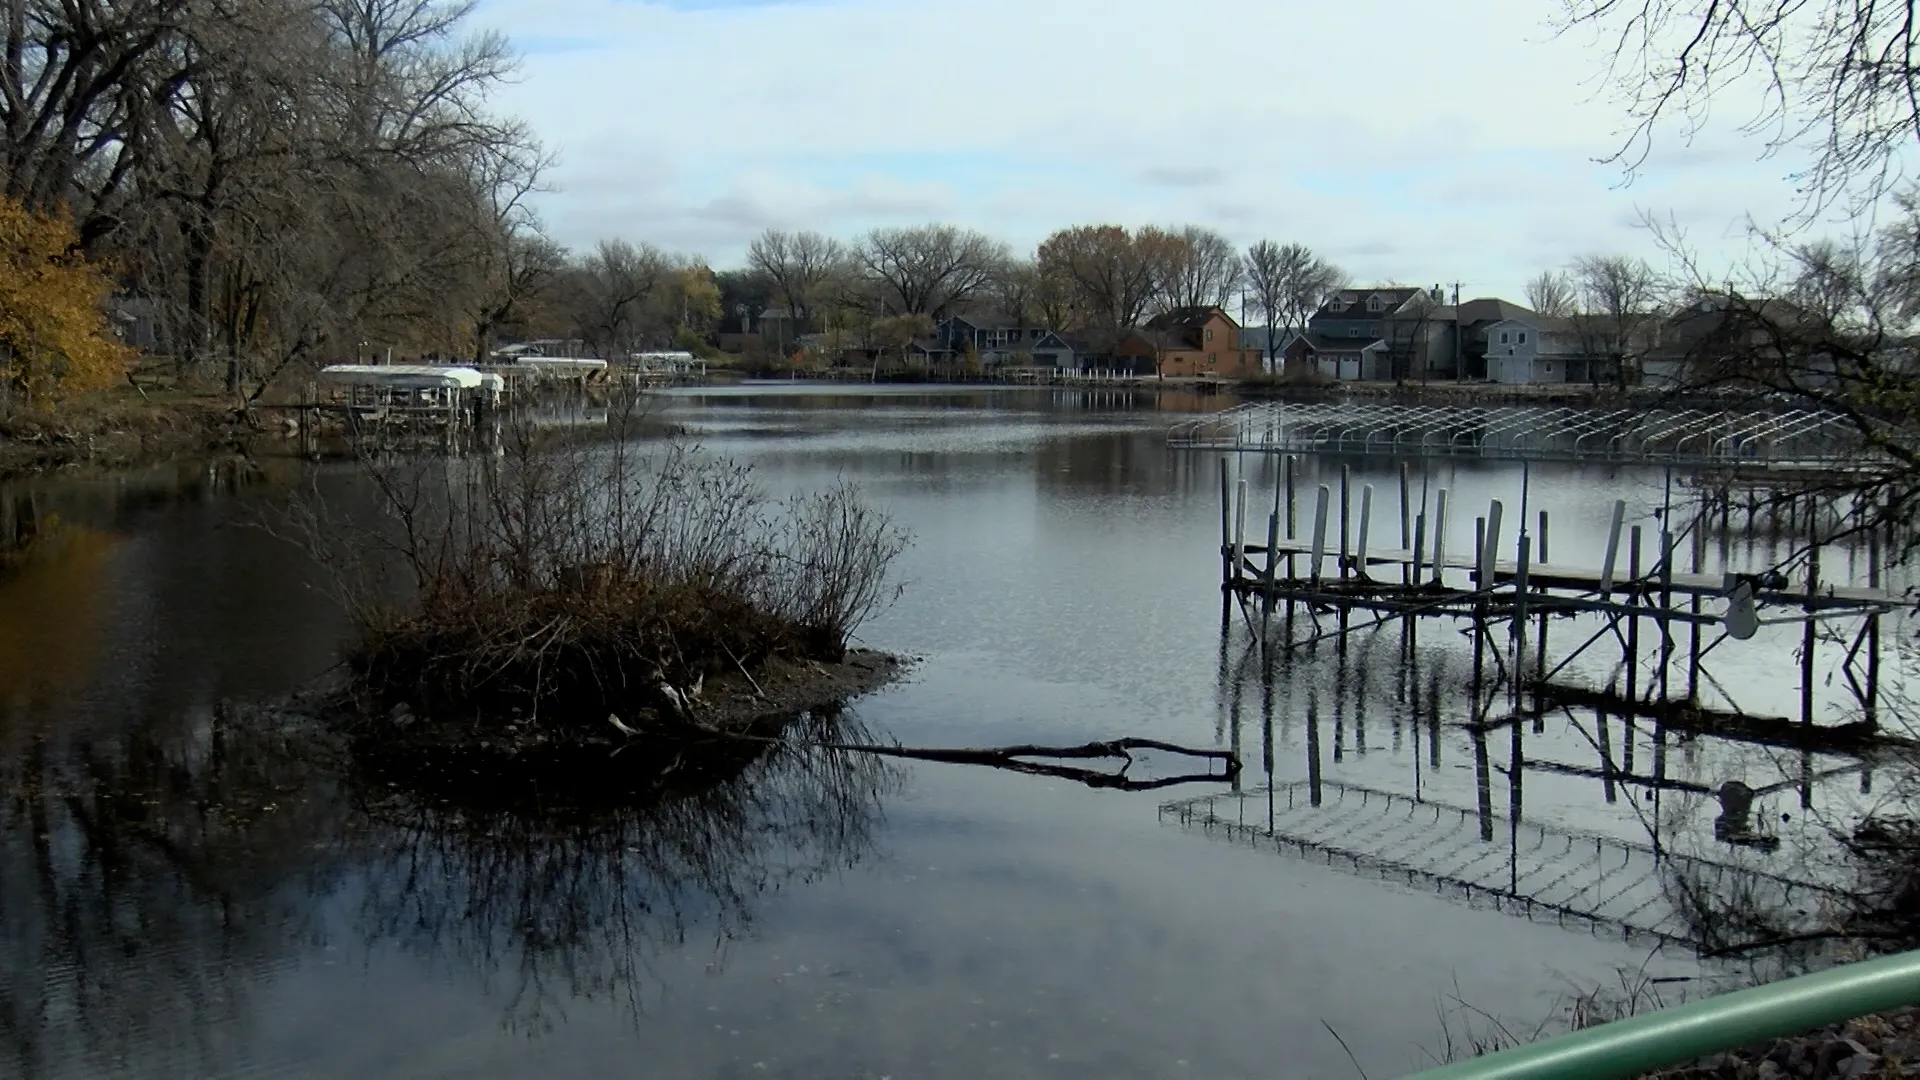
<point x="1209" y="333"/>
<point x="1353" y="331"/>
<point x="1523" y="337"/>
<point x="1374" y="303"/>
<point x="1503" y="337"/>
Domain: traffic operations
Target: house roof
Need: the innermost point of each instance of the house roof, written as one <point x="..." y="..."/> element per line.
<point x="985" y="320"/>
<point x="1187" y="318"/>
<point x="1489" y="309"/>
<point x="1544" y="323"/>
<point x="1345" y="301"/>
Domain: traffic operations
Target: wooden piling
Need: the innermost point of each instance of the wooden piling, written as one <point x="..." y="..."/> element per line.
<point x="1226" y="525"/>
<point x="1872" y="703"/>
<point x="1346" y="516"/>
<point x="1440" y="536"/>
<point x="1666" y="604"/>
<point x="1543" y="537"/>
<point x="1633" y="617"/>
<point x="1693" y="644"/>
<point x="1240" y="531"/>
<point x="1809" y="639"/>
<point x="1319" y="532"/>
<point x="1366" y="525"/>
<point x="1410" y="574"/>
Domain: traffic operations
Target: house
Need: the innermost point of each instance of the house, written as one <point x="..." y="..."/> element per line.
<point x="1347" y="358"/>
<point x="927" y="352"/>
<point x="1718" y="337"/>
<point x="1539" y="349"/>
<point x="999" y="341"/>
<point x="1354" y="333"/>
<point x="1471" y="323"/>
<point x="1188" y="342"/>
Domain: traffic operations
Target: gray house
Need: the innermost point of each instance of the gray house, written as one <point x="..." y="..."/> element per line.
<point x="999" y="341"/>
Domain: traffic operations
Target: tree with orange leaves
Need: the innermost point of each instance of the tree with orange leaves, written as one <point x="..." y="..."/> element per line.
<point x="54" y="336"/>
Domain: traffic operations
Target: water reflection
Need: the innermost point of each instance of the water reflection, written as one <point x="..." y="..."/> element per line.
<point x="149" y="882"/>
<point x="550" y="897"/>
<point x="1693" y="840"/>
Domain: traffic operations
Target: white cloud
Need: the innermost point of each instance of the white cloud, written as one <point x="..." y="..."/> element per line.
<point x="1412" y="140"/>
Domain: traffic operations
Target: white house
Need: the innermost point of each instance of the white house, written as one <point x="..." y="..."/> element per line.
<point x="1534" y="349"/>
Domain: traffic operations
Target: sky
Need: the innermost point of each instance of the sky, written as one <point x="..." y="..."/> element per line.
<point x="1405" y="140"/>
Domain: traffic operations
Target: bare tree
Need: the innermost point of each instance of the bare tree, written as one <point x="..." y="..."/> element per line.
<point x="1197" y="267"/>
<point x="1838" y="74"/>
<point x="617" y="279"/>
<point x="1549" y="293"/>
<point x="928" y="269"/>
<point x="1616" y="298"/>
<point x="803" y="266"/>
<point x="1286" y="283"/>
<point x="1109" y="273"/>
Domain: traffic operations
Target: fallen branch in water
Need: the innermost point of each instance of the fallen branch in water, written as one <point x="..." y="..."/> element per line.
<point x="1017" y="759"/>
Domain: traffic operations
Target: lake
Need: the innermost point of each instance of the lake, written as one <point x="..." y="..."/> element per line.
<point x="192" y="885"/>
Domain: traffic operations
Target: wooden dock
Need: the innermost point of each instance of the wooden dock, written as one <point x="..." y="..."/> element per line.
<point x="1332" y="566"/>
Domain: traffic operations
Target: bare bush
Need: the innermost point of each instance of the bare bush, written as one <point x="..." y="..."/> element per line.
<point x="576" y="580"/>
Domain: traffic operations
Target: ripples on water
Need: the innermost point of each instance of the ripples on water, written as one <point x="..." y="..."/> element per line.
<point x="193" y="884"/>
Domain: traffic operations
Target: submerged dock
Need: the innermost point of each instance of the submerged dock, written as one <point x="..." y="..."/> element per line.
<point x="1650" y="594"/>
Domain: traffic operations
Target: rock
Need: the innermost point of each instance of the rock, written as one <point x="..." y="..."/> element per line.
<point x="1770" y="1070"/>
<point x="1858" y="1065"/>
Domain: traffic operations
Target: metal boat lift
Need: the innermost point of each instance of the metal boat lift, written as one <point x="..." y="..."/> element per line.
<point x="1686" y="437"/>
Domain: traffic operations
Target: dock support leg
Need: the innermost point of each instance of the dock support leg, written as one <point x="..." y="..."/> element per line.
<point x="1346" y="517"/>
<point x="1872" y="703"/>
<point x="1693" y="644"/>
<point x="1809" y="639"/>
<point x="1226" y="525"/>
<point x="1409" y="574"/>
<point x="1633" y="617"/>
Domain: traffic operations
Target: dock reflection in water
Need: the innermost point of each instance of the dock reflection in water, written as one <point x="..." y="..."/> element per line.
<point x="1723" y="842"/>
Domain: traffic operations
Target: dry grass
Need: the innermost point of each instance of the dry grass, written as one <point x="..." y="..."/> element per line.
<point x="559" y="583"/>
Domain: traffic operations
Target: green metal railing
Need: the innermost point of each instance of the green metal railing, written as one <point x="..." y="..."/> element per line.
<point x="1674" y="1036"/>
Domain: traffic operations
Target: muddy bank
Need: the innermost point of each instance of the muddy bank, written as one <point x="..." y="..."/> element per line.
<point x="725" y="726"/>
<point x="120" y="432"/>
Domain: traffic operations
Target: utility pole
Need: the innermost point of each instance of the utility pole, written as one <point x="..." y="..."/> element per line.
<point x="1459" y="357"/>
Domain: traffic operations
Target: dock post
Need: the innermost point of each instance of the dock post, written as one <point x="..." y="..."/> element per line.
<point x="1873" y="630"/>
<point x="1226" y="525"/>
<point x="1319" y="533"/>
<point x="1440" y="537"/>
<point x="1613" y="547"/>
<point x="1666" y="606"/>
<point x="1488" y="555"/>
<point x="1633" y="620"/>
<point x="1479" y="546"/>
<point x="1366" y="524"/>
<point x="1240" y="531"/>
<point x="1419" y="543"/>
<point x="1808" y="639"/>
<point x="1693" y="647"/>
<point x="1520" y="612"/>
<point x="1346" y="516"/>
<point x="1293" y="531"/>
<point x="1543" y="538"/>
<point x="1408" y="575"/>
<point x="1273" y="542"/>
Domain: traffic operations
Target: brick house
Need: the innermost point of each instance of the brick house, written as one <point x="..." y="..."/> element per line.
<point x="1189" y="342"/>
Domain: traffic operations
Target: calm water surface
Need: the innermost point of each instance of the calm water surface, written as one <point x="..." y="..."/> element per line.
<point x="191" y="886"/>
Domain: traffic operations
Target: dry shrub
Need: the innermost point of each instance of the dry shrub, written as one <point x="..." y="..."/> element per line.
<point x="556" y="584"/>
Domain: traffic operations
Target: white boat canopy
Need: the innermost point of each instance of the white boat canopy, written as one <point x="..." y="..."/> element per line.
<point x="405" y="376"/>
<point x="556" y="364"/>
